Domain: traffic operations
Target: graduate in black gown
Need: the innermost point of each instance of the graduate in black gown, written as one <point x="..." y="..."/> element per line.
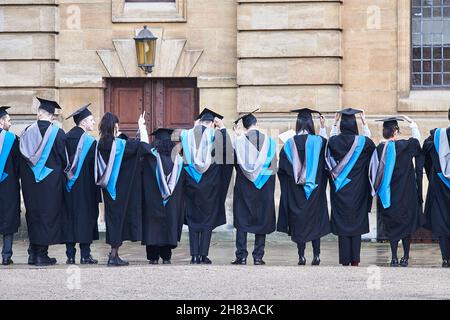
<point x="437" y="206"/>
<point x="398" y="184"/>
<point x="348" y="159"/>
<point x="254" y="188"/>
<point x="209" y="168"/>
<point x="82" y="194"/>
<point x="42" y="168"/>
<point x="163" y="180"/>
<point x="118" y="172"/>
<point x="9" y="185"/>
<point x="303" y="212"/>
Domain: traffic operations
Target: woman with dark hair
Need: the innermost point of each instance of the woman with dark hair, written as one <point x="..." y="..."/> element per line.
<point x="303" y="212"/>
<point x="163" y="213"/>
<point x="118" y="172"/>
<point x="398" y="184"/>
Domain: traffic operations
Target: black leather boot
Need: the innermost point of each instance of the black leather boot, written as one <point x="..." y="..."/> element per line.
<point x="301" y="261"/>
<point x="404" y="262"/>
<point x="205" y="260"/>
<point x="88" y="260"/>
<point x="316" y="261"/>
<point x="116" y="262"/>
<point x="394" y="262"/>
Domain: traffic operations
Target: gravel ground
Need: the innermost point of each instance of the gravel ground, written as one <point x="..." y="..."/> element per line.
<point x="225" y="282"/>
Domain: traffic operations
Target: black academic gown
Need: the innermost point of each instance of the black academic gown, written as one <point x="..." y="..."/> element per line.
<point x="405" y="215"/>
<point x="123" y="216"/>
<point x="161" y="225"/>
<point x="10" y="193"/>
<point x="253" y="208"/>
<point x="205" y="201"/>
<point x="44" y="200"/>
<point x="81" y="214"/>
<point x="437" y="206"/>
<point x="351" y="204"/>
<point x="303" y="219"/>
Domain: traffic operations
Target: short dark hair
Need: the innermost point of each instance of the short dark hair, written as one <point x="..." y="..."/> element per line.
<point x="303" y="124"/>
<point x="389" y="132"/>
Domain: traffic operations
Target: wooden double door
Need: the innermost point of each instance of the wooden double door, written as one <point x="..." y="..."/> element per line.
<point x="167" y="102"/>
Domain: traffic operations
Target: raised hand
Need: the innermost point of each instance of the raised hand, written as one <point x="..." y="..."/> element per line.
<point x="363" y="118"/>
<point x="322" y="121"/>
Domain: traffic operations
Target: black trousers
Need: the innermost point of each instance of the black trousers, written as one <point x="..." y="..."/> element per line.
<point x="301" y="246"/>
<point x="444" y="244"/>
<point x="406" y="247"/>
<point x="349" y="249"/>
<point x="199" y="242"/>
<point x="37" y="250"/>
<point x="7" y="246"/>
<point x="156" y="252"/>
<point x="241" y="245"/>
<point x="85" y="249"/>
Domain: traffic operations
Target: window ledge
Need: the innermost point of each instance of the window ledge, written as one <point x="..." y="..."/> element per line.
<point x="425" y="100"/>
<point x="148" y="12"/>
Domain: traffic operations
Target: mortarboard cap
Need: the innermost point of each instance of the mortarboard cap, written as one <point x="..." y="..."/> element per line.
<point x="248" y="119"/>
<point x="209" y="115"/>
<point x="390" y="121"/>
<point x="48" y="105"/>
<point x="305" y="113"/>
<point x="3" y="111"/>
<point x="81" y="114"/>
<point x="163" y="134"/>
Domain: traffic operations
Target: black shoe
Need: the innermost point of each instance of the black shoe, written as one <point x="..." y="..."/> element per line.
<point x="445" y="264"/>
<point x="404" y="262"/>
<point x="394" y="262"/>
<point x="116" y="262"/>
<point x="153" y="261"/>
<point x="31" y="260"/>
<point x="195" y="260"/>
<point x="167" y="262"/>
<point x="316" y="261"/>
<point x="259" y="262"/>
<point x="302" y="261"/>
<point x="205" y="260"/>
<point x="7" y="261"/>
<point x="70" y="261"/>
<point x="45" y="261"/>
<point x="88" y="260"/>
<point x="239" y="261"/>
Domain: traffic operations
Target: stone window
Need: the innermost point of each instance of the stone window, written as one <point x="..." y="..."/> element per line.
<point x="430" y="39"/>
<point x="148" y="11"/>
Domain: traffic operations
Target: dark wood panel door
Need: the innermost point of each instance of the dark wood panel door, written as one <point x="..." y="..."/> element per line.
<point x="172" y="103"/>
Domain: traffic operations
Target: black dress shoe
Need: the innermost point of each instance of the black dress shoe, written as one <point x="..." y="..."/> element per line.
<point x="394" y="262"/>
<point x="316" y="261"/>
<point x="259" y="262"/>
<point x="205" y="260"/>
<point x="167" y="262"/>
<point x="88" y="260"/>
<point x="153" y="261"/>
<point x="445" y="264"/>
<point x="301" y="261"/>
<point x="239" y="261"/>
<point x="195" y="260"/>
<point x="7" y="261"/>
<point x="116" y="262"/>
<point x="70" y="261"/>
<point x="404" y="262"/>
<point x="31" y="260"/>
<point x="45" y="261"/>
